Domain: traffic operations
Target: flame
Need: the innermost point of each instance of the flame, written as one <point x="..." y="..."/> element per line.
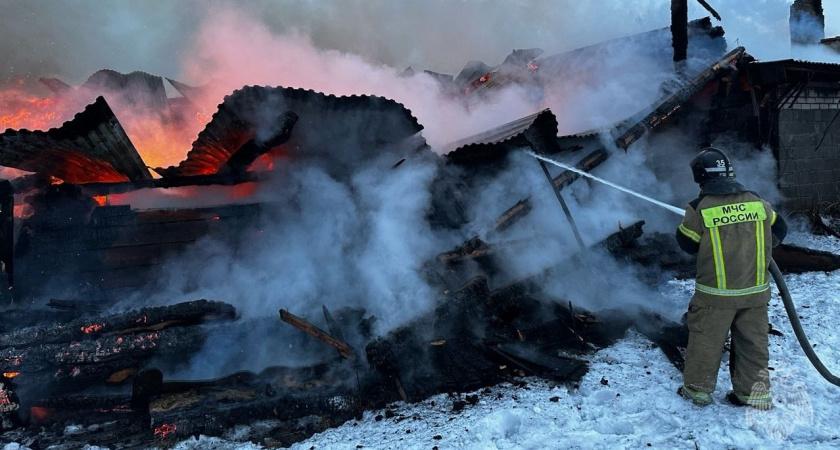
<point x="165" y="429"/>
<point x="92" y="328"/>
<point x="101" y="200"/>
<point x="10" y="374"/>
<point x="18" y="110"/>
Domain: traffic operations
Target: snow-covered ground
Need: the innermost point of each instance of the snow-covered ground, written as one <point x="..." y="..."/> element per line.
<point x="628" y="399"/>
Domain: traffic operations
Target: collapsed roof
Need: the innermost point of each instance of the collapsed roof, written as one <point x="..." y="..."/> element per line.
<point x="93" y="147"/>
<point x="343" y="129"/>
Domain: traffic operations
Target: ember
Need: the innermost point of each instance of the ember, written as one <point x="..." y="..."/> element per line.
<point x="165" y="429"/>
<point x="92" y="328"/>
<point x="29" y="112"/>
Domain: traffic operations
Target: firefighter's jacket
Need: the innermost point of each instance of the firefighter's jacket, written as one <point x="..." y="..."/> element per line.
<point x="732" y="235"/>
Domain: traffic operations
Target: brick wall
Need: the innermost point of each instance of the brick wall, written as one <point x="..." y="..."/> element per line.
<point x="809" y="171"/>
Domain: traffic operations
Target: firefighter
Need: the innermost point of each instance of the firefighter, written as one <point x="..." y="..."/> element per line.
<point x="732" y="231"/>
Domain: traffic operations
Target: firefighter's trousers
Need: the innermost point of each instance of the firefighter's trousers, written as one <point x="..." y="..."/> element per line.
<point x="749" y="354"/>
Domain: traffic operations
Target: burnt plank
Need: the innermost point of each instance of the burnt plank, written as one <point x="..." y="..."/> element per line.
<point x="144" y="319"/>
<point x="302" y="324"/>
<point x="795" y="259"/>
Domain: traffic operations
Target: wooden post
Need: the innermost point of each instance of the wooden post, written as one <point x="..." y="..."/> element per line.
<point x="302" y="324"/>
<point x="563" y="205"/>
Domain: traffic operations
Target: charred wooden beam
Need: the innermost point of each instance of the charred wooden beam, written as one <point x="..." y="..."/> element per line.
<point x="242" y="158"/>
<point x="565" y="178"/>
<point x="679" y="29"/>
<point x="795" y="259"/>
<point x="536" y="363"/>
<point x="68" y="360"/>
<point x="625" y="236"/>
<point x="639" y="125"/>
<point x="709" y="8"/>
<point x="137" y="321"/>
<point x="302" y="324"/>
<point x="565" y="207"/>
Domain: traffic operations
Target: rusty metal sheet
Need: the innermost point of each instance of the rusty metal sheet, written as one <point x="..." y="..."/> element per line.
<point x="92" y="147"/>
<point x="537" y="131"/>
<point x="344" y="130"/>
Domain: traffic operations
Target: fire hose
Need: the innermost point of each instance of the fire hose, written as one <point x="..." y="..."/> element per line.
<point x="790" y="307"/>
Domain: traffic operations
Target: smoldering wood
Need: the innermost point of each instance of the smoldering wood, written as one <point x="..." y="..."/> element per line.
<point x="302" y="324"/>
<point x="66" y="360"/>
<point x="462" y="338"/>
<point x="135" y="321"/>
<point x="334" y="327"/>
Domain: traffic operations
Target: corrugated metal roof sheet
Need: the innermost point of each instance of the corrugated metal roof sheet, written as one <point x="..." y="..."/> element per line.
<point x="344" y="130"/>
<point x="92" y="147"/>
<point x="189" y="92"/>
<point x="57" y="86"/>
<point x="537" y="131"/>
<point x="138" y="89"/>
<point x="558" y="64"/>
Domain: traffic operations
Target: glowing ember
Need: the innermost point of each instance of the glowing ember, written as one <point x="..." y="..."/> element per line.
<point x="17" y="110"/>
<point x="101" y="200"/>
<point x="92" y="328"/>
<point x="165" y="429"/>
<point x="10" y="374"/>
<point x="7" y="405"/>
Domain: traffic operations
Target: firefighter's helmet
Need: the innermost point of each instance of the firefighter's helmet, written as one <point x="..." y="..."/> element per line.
<point x="711" y="164"/>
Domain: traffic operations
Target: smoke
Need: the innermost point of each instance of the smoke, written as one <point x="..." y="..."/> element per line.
<point x="362" y="240"/>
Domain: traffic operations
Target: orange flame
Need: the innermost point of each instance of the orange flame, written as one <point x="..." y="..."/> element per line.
<point x="10" y="374"/>
<point x="92" y="328"/>
<point x="101" y="200"/>
<point x="21" y="111"/>
<point x="165" y="429"/>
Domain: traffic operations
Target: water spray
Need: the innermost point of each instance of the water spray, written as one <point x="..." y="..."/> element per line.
<point x="790" y="308"/>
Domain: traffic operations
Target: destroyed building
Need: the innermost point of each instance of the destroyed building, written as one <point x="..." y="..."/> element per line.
<point x="72" y="253"/>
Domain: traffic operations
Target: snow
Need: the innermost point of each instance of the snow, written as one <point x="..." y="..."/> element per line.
<point x="628" y="399"/>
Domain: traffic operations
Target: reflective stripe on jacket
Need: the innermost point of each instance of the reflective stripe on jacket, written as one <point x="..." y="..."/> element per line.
<point x="734" y="238"/>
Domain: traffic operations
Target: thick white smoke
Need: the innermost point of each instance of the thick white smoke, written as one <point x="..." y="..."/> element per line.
<point x="363" y="241"/>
